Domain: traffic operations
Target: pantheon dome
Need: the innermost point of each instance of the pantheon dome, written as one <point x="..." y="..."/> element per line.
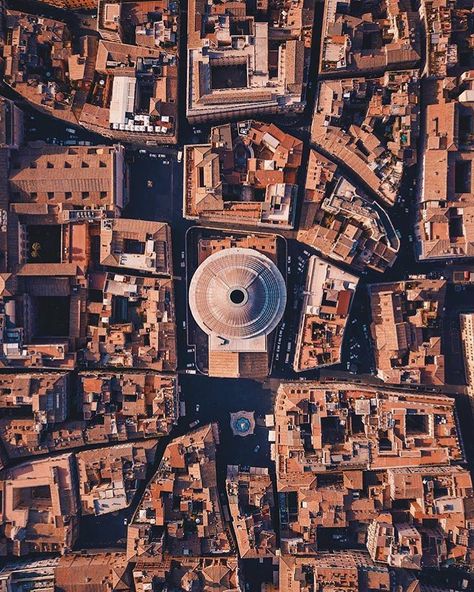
<point x="237" y="293"/>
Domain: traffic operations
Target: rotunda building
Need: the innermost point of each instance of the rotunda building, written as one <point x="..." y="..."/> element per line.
<point x="237" y="296"/>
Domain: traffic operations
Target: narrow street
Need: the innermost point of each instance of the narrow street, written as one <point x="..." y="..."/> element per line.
<point x="156" y="188"/>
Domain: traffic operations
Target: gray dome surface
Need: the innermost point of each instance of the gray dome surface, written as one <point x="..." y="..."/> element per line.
<point x="237" y="293"/>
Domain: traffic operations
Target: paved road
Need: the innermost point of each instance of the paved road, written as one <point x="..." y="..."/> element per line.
<point x="221" y="398"/>
<point x="161" y="200"/>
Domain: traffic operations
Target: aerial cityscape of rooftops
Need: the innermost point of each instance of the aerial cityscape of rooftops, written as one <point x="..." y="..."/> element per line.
<point x="236" y="295"/>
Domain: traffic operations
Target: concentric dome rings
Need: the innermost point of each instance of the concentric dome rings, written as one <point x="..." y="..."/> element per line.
<point x="237" y="293"/>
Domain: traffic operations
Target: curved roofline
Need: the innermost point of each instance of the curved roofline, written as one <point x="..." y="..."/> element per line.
<point x="270" y="324"/>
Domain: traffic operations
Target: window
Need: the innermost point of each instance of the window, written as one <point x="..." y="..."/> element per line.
<point x="102" y="164"/>
<point x="49" y="165"/>
<point x="50" y="194"/>
<point x="32" y="165"/>
<point x="103" y="194"/>
<point x="85" y="194"/>
<point x="33" y="195"/>
<point x="84" y="165"/>
<point x="67" y="165"/>
<point x="68" y="195"/>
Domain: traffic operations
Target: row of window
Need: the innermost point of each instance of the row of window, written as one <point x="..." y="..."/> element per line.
<point x="67" y="194"/>
<point x="67" y="165"/>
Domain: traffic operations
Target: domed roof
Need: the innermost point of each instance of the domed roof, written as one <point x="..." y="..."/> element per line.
<point x="237" y="293"/>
